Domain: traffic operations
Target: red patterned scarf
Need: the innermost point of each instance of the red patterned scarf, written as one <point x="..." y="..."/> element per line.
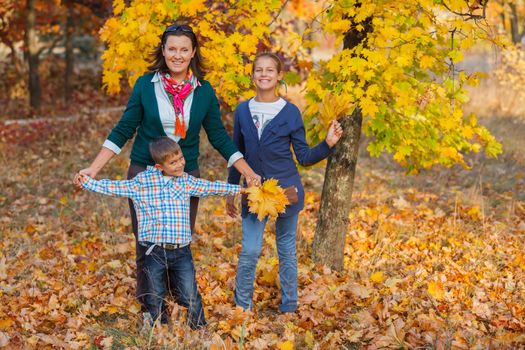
<point x="178" y="93"/>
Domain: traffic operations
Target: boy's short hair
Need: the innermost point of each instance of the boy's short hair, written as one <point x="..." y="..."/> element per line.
<point x="163" y="147"/>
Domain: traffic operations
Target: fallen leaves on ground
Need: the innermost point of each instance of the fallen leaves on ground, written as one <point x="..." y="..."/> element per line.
<point x="423" y="269"/>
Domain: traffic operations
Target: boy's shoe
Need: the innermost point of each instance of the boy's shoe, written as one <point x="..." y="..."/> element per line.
<point x="147" y="323"/>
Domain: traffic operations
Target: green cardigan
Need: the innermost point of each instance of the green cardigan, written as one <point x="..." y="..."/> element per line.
<point x="142" y="115"/>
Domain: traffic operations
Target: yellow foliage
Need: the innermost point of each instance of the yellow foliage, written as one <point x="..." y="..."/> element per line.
<point x="399" y="75"/>
<point x="426" y="61"/>
<point x="267" y="200"/>
<point x="333" y="107"/>
<point x="136" y="29"/>
<point x="401" y="79"/>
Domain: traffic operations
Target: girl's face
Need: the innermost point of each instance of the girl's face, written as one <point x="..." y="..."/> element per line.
<point x="178" y="53"/>
<point x="265" y="74"/>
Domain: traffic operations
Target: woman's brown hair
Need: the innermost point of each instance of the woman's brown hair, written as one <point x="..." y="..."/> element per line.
<point x="158" y="62"/>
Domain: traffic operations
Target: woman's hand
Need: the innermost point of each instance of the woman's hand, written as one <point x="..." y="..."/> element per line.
<point x="80" y="176"/>
<point x="253" y="180"/>
<point x="231" y="209"/>
<point x="251" y="177"/>
<point x="335" y="131"/>
<point x="100" y="161"/>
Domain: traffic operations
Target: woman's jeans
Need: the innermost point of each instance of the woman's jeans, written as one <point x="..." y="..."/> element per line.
<point x="140" y="257"/>
<point x="252" y="240"/>
<point x="173" y="268"/>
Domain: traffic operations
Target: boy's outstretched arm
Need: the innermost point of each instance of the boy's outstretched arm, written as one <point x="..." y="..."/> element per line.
<point x="202" y="188"/>
<point x="115" y="188"/>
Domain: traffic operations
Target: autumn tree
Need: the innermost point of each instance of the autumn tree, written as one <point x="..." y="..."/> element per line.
<point x="11" y="24"/>
<point x="231" y="32"/>
<point x="81" y="17"/>
<point x="42" y="26"/>
<point x="35" y="43"/>
<point x="510" y="16"/>
<point x="396" y="79"/>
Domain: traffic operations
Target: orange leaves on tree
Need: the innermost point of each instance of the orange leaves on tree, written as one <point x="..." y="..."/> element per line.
<point x="267" y="200"/>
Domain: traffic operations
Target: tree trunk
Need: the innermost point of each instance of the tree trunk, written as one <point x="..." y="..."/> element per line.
<point x="514" y="25"/>
<point x="11" y="46"/>
<point x="70" y="27"/>
<point x="32" y="56"/>
<point x="332" y="222"/>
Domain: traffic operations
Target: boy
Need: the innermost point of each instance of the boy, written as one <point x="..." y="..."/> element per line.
<point x="161" y="196"/>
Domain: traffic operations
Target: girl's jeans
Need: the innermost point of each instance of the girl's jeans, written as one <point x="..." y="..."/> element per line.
<point x="252" y="239"/>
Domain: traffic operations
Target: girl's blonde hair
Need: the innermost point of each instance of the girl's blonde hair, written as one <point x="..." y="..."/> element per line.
<point x="274" y="57"/>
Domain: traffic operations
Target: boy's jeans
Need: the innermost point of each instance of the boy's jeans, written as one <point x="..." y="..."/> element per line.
<point x="175" y="269"/>
<point x="252" y="239"/>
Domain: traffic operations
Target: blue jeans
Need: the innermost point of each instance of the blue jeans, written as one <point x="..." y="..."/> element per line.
<point x="174" y="269"/>
<point x="252" y="239"/>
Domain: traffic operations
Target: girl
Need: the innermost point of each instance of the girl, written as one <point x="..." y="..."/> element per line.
<point x="264" y="129"/>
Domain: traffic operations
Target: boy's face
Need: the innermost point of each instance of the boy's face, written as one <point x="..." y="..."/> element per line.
<point x="173" y="165"/>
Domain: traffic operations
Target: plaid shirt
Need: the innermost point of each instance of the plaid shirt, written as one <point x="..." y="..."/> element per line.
<point x="162" y="203"/>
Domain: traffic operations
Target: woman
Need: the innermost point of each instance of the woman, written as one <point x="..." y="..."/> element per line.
<point x="265" y="127"/>
<point x="172" y="100"/>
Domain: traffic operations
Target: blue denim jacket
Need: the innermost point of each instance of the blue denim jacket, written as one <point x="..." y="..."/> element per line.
<point x="271" y="156"/>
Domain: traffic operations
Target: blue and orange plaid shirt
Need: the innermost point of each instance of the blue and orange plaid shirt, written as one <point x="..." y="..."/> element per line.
<point x="162" y="203"/>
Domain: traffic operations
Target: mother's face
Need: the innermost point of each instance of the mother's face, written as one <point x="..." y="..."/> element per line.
<point x="178" y="52"/>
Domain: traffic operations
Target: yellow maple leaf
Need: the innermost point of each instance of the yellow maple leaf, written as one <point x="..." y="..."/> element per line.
<point x="368" y="106"/>
<point x="309" y="339"/>
<point x="112" y="310"/>
<point x="6" y="323"/>
<point x="426" y="61"/>
<point x="270" y="276"/>
<point x="63" y="200"/>
<point x="287" y="345"/>
<point x="267" y="200"/>
<point x="333" y="107"/>
<point x="436" y="290"/>
<point x="377" y="277"/>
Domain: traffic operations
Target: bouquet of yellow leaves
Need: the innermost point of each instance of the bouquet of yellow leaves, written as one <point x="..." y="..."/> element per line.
<point x="267" y="200"/>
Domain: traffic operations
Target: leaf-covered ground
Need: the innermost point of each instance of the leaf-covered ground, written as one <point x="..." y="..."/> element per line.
<point x="434" y="261"/>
